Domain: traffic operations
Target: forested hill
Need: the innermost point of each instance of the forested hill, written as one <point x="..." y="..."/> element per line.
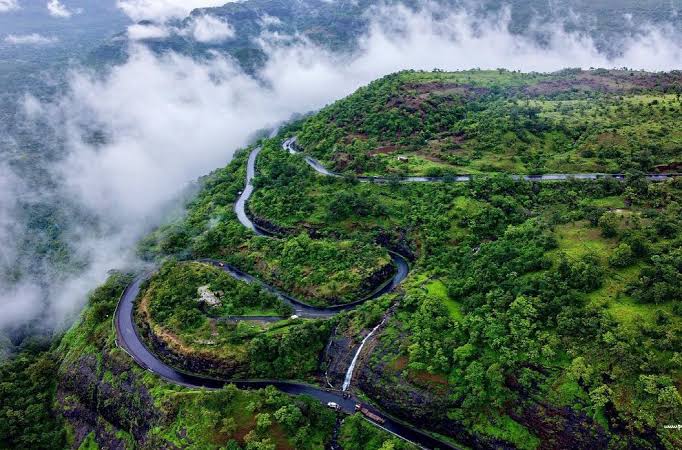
<point x="434" y="124"/>
<point x="337" y="25"/>
<point x="533" y="315"/>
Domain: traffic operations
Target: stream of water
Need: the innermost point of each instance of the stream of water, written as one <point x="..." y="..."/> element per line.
<point x="351" y="368"/>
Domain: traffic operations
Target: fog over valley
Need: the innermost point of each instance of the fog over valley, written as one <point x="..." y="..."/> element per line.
<point x="340" y="224"/>
<point x="105" y="156"/>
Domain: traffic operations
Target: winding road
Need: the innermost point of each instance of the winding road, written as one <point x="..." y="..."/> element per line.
<point x="129" y="339"/>
<point x="306" y="310"/>
<point x="290" y="146"/>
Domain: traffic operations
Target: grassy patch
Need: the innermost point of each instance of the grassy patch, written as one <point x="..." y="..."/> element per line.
<point x="629" y="312"/>
<point x="578" y="239"/>
<point x="506" y="428"/>
<point x="613" y="202"/>
<point x="89" y="443"/>
<point x="437" y="289"/>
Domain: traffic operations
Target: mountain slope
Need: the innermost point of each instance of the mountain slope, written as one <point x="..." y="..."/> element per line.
<point x="534" y="315"/>
<point x="338" y="25"/>
<point x="480" y="121"/>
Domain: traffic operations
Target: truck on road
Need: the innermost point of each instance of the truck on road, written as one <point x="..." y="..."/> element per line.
<point x="369" y="414"/>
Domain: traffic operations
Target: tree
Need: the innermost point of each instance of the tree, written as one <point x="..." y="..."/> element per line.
<point x="289" y="416"/>
<point x="253" y="443"/>
<point x="388" y="445"/>
<point x="622" y="256"/>
<point x="263" y="422"/>
<point x="228" y="426"/>
<point x="599" y="397"/>
<point x="580" y="372"/>
<point x="608" y="223"/>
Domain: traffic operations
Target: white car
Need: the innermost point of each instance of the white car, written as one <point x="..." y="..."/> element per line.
<point x="333" y="405"/>
<point x="294" y="317"/>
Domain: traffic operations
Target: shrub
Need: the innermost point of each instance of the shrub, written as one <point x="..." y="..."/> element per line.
<point x="622" y="256"/>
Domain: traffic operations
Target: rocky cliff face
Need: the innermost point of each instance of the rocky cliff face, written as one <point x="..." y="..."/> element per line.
<point x="421" y="407"/>
<point x="560" y="427"/>
<point x="557" y="427"/>
<point x="101" y="394"/>
<point x="191" y="362"/>
<point x="338" y="357"/>
<point x="342" y="347"/>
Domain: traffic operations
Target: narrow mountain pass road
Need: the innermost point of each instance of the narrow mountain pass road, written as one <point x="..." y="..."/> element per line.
<point x="129" y="339"/>
<point x="305" y="310"/>
<point x="317" y="166"/>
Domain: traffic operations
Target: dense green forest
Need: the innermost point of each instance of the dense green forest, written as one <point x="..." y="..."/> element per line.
<point x="535" y="315"/>
<point x="173" y="311"/>
<point x="497" y="121"/>
<point x="319" y="271"/>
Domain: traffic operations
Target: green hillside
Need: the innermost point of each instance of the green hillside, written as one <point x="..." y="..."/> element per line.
<point x="497" y="121"/>
<point x="534" y="315"/>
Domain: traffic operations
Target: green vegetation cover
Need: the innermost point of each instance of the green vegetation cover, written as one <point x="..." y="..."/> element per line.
<point x="498" y="121"/>
<point x="534" y="315"/>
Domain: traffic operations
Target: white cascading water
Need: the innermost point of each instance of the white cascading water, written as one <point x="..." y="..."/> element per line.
<point x="351" y="368"/>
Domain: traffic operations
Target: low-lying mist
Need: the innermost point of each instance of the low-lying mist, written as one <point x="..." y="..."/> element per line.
<point x="135" y="137"/>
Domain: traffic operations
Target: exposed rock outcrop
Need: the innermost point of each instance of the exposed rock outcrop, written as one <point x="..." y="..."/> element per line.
<point x="192" y="362"/>
<point x="422" y="408"/>
<point x="561" y="427"/>
<point x="557" y="427"/>
<point x="103" y="395"/>
<point x="338" y="357"/>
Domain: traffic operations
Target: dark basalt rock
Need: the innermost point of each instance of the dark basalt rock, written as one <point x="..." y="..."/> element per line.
<point x="269" y="227"/>
<point x="337" y="358"/>
<point x="561" y="427"/>
<point x="557" y="427"/>
<point x="378" y="279"/>
<point x="397" y="242"/>
<point x="421" y="408"/>
<point x="341" y="349"/>
<point x="192" y="363"/>
<point x="91" y="401"/>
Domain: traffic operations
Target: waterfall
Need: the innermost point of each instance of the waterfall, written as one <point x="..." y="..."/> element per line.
<point x="351" y="368"/>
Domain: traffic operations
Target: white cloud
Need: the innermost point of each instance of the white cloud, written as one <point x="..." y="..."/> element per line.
<point x="138" y="32"/>
<point x="29" y="39"/>
<point x="20" y="302"/>
<point x="8" y="5"/>
<point x="163" y="10"/>
<point x="10" y="187"/>
<point x="207" y="28"/>
<point x="171" y="119"/>
<point x="267" y="20"/>
<point x="57" y="9"/>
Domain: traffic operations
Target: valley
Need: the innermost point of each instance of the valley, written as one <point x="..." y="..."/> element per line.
<point x="347" y="225"/>
<point x="381" y="362"/>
